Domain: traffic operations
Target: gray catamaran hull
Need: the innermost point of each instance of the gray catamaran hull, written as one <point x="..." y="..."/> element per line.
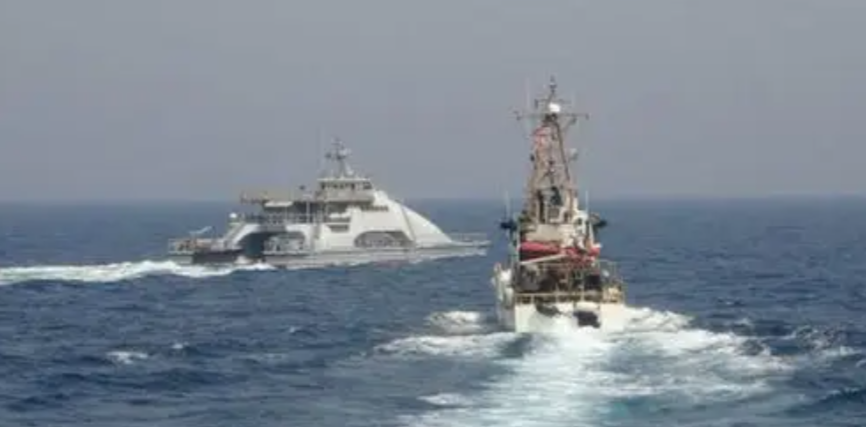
<point x="334" y="257"/>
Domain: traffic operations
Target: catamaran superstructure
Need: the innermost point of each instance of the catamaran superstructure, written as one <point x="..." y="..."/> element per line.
<point x="344" y="219"/>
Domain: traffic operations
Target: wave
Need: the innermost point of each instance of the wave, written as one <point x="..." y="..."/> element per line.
<point x="125" y="357"/>
<point x="121" y="271"/>
<point x="459" y="322"/>
<point x="582" y="376"/>
<point x="113" y="272"/>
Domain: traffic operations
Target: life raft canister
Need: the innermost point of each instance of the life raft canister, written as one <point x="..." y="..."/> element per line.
<point x="530" y="250"/>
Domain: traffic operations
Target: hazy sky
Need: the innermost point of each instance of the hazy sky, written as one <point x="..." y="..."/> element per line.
<point x="173" y="99"/>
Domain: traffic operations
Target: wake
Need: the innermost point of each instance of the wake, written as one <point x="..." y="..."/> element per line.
<point x="114" y="272"/>
<point x="122" y="271"/>
<point x="573" y="377"/>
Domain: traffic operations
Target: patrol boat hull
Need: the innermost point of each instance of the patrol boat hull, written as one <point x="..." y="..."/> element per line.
<point x="531" y="312"/>
<point x="554" y="269"/>
<point x="526" y="318"/>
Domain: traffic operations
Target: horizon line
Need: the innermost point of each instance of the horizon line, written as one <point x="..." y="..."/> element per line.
<point x="605" y="198"/>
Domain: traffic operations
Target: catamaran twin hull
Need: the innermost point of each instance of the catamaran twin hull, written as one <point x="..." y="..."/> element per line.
<point x="335" y="257"/>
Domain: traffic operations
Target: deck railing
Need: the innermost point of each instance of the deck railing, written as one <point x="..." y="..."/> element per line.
<point x="283" y="247"/>
<point x="264" y="196"/>
<point x="188" y="245"/>
<point x="606" y="268"/>
<point x="608" y="295"/>
<point x="276" y="218"/>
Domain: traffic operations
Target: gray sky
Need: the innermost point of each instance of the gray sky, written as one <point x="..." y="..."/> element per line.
<point x="173" y="99"/>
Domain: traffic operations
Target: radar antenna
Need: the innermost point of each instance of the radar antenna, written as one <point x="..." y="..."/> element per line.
<point x="340" y="155"/>
<point x="550" y="191"/>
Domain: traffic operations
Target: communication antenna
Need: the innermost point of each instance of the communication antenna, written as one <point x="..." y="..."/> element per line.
<point x="507" y="205"/>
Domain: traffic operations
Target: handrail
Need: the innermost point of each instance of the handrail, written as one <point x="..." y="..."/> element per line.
<point x="604" y="266"/>
<point x="283" y="219"/>
<point x="608" y="295"/>
<point x="189" y="245"/>
<point x="262" y="196"/>
<point x="276" y="247"/>
<point x="277" y="219"/>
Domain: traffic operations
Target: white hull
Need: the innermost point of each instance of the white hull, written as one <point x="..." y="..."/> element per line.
<point x="524" y="317"/>
<point x="355" y="256"/>
<point x="344" y="219"/>
<point x="554" y="273"/>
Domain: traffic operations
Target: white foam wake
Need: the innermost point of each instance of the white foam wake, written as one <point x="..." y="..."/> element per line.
<point x="459" y="322"/>
<point x="471" y="346"/>
<point x="113" y="272"/>
<point x="120" y="271"/>
<point x="126" y="357"/>
<point x="575" y="377"/>
<point x="456" y="334"/>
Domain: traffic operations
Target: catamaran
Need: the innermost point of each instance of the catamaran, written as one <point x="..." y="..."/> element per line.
<point x="345" y="218"/>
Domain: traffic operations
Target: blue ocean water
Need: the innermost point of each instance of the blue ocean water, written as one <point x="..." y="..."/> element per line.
<point x="742" y="313"/>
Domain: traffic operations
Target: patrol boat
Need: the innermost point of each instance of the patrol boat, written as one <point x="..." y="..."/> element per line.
<point x="554" y="269"/>
<point x="345" y="219"/>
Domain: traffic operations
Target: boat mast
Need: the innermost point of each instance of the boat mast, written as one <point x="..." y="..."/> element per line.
<point x="340" y="155"/>
<point x="549" y="188"/>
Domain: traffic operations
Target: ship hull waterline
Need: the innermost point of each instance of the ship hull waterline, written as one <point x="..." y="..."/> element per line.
<point x="526" y="318"/>
<point x="333" y="257"/>
<point x="517" y="314"/>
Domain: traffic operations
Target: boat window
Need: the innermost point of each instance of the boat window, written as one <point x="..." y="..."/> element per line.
<point x="339" y="228"/>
